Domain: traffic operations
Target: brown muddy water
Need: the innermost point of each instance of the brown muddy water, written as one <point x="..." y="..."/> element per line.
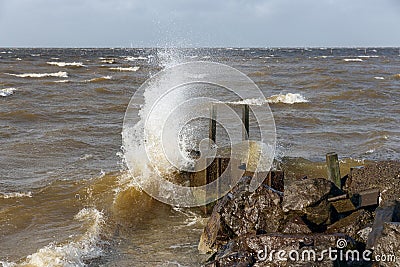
<point x="66" y="198"/>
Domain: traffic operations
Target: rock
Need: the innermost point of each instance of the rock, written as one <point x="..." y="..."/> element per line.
<point x="263" y="250"/>
<point x="233" y="254"/>
<point x="295" y="225"/>
<point x="210" y="232"/>
<point x="318" y="216"/>
<point x="251" y="212"/>
<point x="388" y="245"/>
<point x="242" y="212"/>
<point x="352" y="225"/>
<point x="389" y="212"/>
<point x="343" y="206"/>
<point x="384" y="175"/>
<point x="306" y="193"/>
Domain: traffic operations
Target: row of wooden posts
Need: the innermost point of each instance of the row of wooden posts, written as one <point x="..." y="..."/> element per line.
<point x="274" y="179"/>
<point x="212" y="133"/>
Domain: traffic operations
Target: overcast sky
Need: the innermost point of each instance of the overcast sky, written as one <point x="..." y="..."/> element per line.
<point x="240" y="23"/>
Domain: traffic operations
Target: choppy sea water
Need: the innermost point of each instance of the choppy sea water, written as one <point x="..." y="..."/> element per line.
<point x="65" y="196"/>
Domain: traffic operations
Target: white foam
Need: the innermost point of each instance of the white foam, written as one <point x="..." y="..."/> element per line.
<point x="353" y="59"/>
<point x="130" y="58"/>
<point x="62" y="81"/>
<point x="86" y="157"/>
<point x="108" y="61"/>
<point x="15" y="195"/>
<point x="288" y="98"/>
<point x="73" y="253"/>
<point x="125" y="69"/>
<point x="365" y="56"/>
<point x="7" y="91"/>
<point x="379" y="78"/>
<point x="98" y="79"/>
<point x="61" y="74"/>
<point x="66" y="64"/>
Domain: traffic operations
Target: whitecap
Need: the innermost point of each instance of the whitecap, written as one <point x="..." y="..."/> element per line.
<point x="7" y="91"/>
<point x="61" y="74"/>
<point x="108" y="61"/>
<point x="288" y="98"/>
<point x="379" y="78"/>
<point x="66" y="64"/>
<point x="15" y="195"/>
<point x="130" y="58"/>
<point x="62" y="81"/>
<point x="86" y="157"/>
<point x="98" y="79"/>
<point x="125" y="69"/>
<point x="73" y="253"/>
<point x="353" y="59"/>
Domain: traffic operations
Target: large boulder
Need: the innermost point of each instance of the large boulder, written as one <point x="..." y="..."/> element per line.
<point x="242" y="212"/>
<point x="305" y="193"/>
<point x="264" y="250"/>
<point x="353" y="225"/>
<point x="388" y="245"/>
<point x="295" y="225"/>
<point x="384" y="175"/>
<point x="389" y="212"/>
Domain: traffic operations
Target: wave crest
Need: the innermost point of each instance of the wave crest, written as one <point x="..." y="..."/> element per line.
<point x="61" y="74"/>
<point x="288" y="98"/>
<point x="7" y="91"/>
<point x="74" y="253"/>
<point x="125" y="69"/>
<point x="66" y="64"/>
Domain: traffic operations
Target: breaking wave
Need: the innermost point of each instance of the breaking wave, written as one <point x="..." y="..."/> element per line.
<point x="7" y="91"/>
<point x="125" y="69"/>
<point x="353" y="59"/>
<point x="288" y="98"/>
<point x="61" y="74"/>
<point x="15" y="195"/>
<point x="130" y="58"/>
<point x="66" y="64"/>
<point x="99" y="79"/>
<point x="74" y="253"/>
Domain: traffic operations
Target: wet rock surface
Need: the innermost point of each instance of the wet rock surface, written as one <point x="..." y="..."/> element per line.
<point x="388" y="243"/>
<point x="313" y="214"/>
<point x="242" y="212"/>
<point x="353" y="224"/>
<point x="383" y="175"/>
<point x="306" y="193"/>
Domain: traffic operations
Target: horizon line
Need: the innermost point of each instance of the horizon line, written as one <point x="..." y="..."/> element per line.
<point x="189" y="47"/>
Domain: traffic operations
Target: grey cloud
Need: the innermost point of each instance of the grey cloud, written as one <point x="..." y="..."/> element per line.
<point x="199" y="22"/>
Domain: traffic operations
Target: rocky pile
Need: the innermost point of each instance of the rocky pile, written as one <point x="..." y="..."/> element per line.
<point x="313" y="223"/>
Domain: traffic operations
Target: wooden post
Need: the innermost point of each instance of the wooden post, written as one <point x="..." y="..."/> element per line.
<point x="212" y="131"/>
<point x="245" y="121"/>
<point x="332" y="163"/>
<point x="211" y="174"/>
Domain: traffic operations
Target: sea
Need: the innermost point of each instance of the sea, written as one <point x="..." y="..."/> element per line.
<point x="67" y="197"/>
